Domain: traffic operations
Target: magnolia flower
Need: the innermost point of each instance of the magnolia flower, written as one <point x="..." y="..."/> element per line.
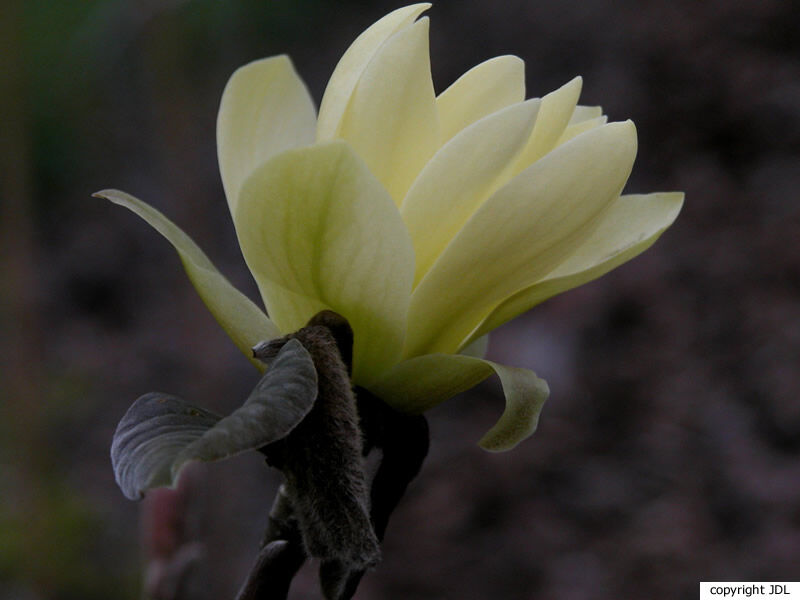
<point x="425" y="220"/>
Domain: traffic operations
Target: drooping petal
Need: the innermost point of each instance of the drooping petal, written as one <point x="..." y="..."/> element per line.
<point x="265" y="109"/>
<point x="319" y="231"/>
<point x="554" y="114"/>
<point x="242" y="320"/>
<point x="632" y="224"/>
<point x="484" y="89"/>
<point x="392" y="121"/>
<point x="461" y="176"/>
<point x="418" y="384"/>
<point x="519" y="235"/>
<point x="352" y="64"/>
<point x="525" y="396"/>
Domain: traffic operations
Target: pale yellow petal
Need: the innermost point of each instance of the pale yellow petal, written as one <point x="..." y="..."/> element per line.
<point x="584" y="113"/>
<point x="241" y="319"/>
<point x="352" y="64"/>
<point x="265" y="110"/>
<point x="420" y="383"/>
<point x="520" y="234"/>
<point x="391" y="120"/>
<point x="554" y="114"/>
<point x="631" y="225"/>
<point x="484" y="89"/>
<point x="580" y="127"/>
<point x="289" y="309"/>
<point x="461" y="176"/>
<point x="477" y="347"/>
<point x="319" y="231"/>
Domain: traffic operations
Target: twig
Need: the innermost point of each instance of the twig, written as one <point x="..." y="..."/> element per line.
<point x="280" y="557"/>
<point x="404" y="440"/>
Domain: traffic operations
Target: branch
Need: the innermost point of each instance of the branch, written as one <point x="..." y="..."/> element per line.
<point x="404" y="440"/>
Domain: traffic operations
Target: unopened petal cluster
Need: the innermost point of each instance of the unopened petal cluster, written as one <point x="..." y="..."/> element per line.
<point x="425" y="220"/>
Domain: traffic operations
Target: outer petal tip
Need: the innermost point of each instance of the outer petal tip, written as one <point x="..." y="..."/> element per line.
<point x="622" y="132"/>
<point x="573" y="88"/>
<point x="351" y="67"/>
<point x="109" y="194"/>
<point x="265" y="109"/>
<point x="391" y="120"/>
<point x="628" y="126"/>
<point x="244" y="322"/>
<point x="484" y="89"/>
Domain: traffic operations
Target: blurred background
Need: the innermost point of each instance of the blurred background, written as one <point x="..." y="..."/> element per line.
<point x="669" y="451"/>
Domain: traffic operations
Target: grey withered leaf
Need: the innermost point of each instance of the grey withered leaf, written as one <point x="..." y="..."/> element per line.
<point x="160" y="433"/>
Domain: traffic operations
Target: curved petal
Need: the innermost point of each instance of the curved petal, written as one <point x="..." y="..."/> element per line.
<point x="484" y="89"/>
<point x="554" y="114"/>
<point x="391" y="121"/>
<point x="242" y="320"/>
<point x="319" y="231"/>
<point x="352" y="64"/>
<point x="525" y="396"/>
<point x="519" y="235"/>
<point x="420" y="383"/>
<point x="631" y="226"/>
<point x="265" y="109"/>
<point x="461" y="176"/>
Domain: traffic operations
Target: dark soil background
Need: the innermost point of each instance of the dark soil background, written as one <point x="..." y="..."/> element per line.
<point x="669" y="451"/>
